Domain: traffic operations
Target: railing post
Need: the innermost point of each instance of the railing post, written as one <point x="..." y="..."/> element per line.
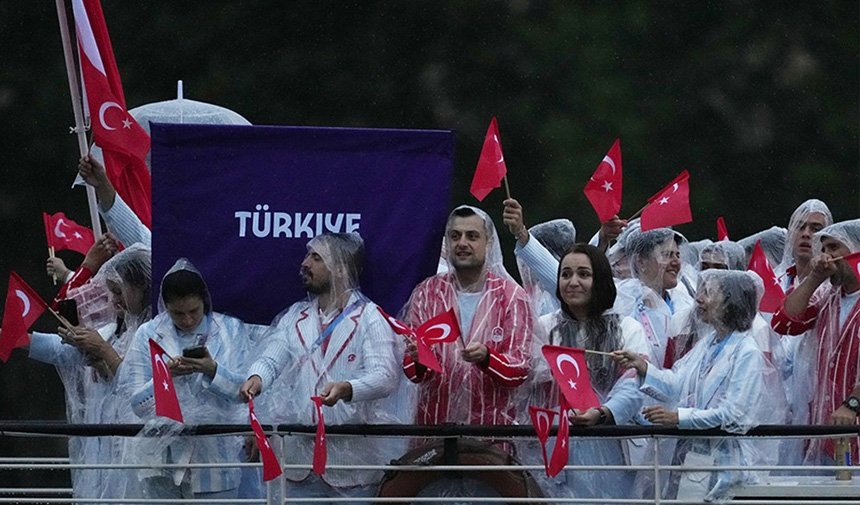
<point x="657" y="486"/>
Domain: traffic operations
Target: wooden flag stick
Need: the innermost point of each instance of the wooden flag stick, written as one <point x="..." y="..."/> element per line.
<point x="65" y="322"/>
<point x="638" y="213"/>
<point x="507" y="187"/>
<point x="836" y="259"/>
<point x="589" y="351"/>
<point x="51" y="254"/>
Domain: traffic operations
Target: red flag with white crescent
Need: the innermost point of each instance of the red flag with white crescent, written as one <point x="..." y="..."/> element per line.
<point x="603" y="189"/>
<point x="670" y="206"/>
<point x="320" y="451"/>
<point x="23" y="307"/>
<point x="63" y="233"/>
<point x="561" y="451"/>
<point x="166" y="401"/>
<point x="124" y="142"/>
<point x="854" y="261"/>
<point x="271" y="466"/>
<point x="773" y="293"/>
<point x="441" y="328"/>
<point x="491" y="167"/>
<point x="571" y="373"/>
<point x="722" y="232"/>
<point x="542" y="422"/>
<point x="426" y="356"/>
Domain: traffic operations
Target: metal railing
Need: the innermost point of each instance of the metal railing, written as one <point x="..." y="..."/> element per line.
<point x="813" y="484"/>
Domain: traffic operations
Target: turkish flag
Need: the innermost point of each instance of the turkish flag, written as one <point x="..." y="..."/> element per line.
<point x="670" y="206"/>
<point x="722" y="233"/>
<point x="561" y="451"/>
<point x="63" y="233"/>
<point x="123" y="141"/>
<point x="773" y="293"/>
<point x="320" y="452"/>
<point x="23" y="307"/>
<point x="425" y="354"/>
<point x="542" y="421"/>
<point x="271" y="466"/>
<point x="441" y="328"/>
<point x="570" y="371"/>
<point x="166" y="402"/>
<point x="854" y="261"/>
<point x="603" y="190"/>
<point x="491" y="167"/>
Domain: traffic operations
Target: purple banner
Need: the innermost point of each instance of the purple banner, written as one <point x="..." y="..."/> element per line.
<point x="241" y="202"/>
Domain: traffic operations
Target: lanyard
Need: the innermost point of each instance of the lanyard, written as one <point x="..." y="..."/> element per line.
<point x="708" y="363"/>
<point x="330" y="329"/>
<point x="668" y="300"/>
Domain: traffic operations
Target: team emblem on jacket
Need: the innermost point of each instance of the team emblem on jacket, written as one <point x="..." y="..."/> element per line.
<point x="351" y="358"/>
<point x="498" y="334"/>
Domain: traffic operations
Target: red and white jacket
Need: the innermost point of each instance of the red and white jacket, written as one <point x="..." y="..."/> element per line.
<point x="470" y="393"/>
<point x="838" y="353"/>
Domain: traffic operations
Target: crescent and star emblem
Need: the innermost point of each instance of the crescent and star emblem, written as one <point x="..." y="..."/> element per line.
<point x="501" y="156"/>
<point x="607" y="159"/>
<point x="57" y="231"/>
<point x="675" y="188"/>
<point x="444" y="327"/>
<point x="23" y="296"/>
<point x="105" y="106"/>
<point x="563" y="358"/>
<point x="543" y="417"/>
<point x="159" y="363"/>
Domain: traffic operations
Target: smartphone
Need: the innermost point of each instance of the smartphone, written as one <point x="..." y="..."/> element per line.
<point x="69" y="310"/>
<point x="195" y="352"/>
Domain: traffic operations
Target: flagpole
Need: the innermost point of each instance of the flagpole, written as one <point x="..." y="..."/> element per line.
<point x="77" y="107"/>
<point x="589" y="351"/>
<point x="639" y="212"/>
<point x="51" y="254"/>
<point x="507" y="187"/>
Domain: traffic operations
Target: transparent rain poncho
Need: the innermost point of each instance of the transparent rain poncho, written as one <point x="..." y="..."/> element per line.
<point x="798" y="240"/>
<point x="203" y="400"/>
<point x="720" y="383"/>
<point x="653" y="294"/>
<point x="556" y="236"/>
<point x="360" y="349"/>
<point x="617" y="254"/>
<point x="772" y="243"/>
<point x="90" y="386"/>
<point x="470" y="393"/>
<point x="809" y="395"/>
<point x="605" y="332"/>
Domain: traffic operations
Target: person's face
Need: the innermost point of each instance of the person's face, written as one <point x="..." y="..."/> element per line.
<point x="659" y="270"/>
<point x="316" y="278"/>
<point x="802" y="243"/>
<point x="709" y="302"/>
<point x="186" y="313"/>
<point x="575" y="281"/>
<point x="467" y="242"/>
<point x="710" y="261"/>
<point x="116" y="296"/>
<point x="837" y="249"/>
<point x="620" y="265"/>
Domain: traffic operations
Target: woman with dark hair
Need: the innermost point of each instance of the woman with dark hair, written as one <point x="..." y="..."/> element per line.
<point x="718" y="384"/>
<point x="587" y="293"/>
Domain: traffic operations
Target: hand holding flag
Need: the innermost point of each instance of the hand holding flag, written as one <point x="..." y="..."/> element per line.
<point x="271" y="466"/>
<point x="491" y="167"/>
<point x="603" y="189"/>
<point x="670" y="206"/>
<point x="166" y="401"/>
<point x="23" y="308"/>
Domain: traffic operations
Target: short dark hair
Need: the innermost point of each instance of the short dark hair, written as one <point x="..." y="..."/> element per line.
<point x="466" y="211"/>
<point x="602" y="288"/>
<point x="182" y="284"/>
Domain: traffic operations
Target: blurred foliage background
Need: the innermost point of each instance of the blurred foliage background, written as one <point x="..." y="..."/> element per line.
<point x="757" y="99"/>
